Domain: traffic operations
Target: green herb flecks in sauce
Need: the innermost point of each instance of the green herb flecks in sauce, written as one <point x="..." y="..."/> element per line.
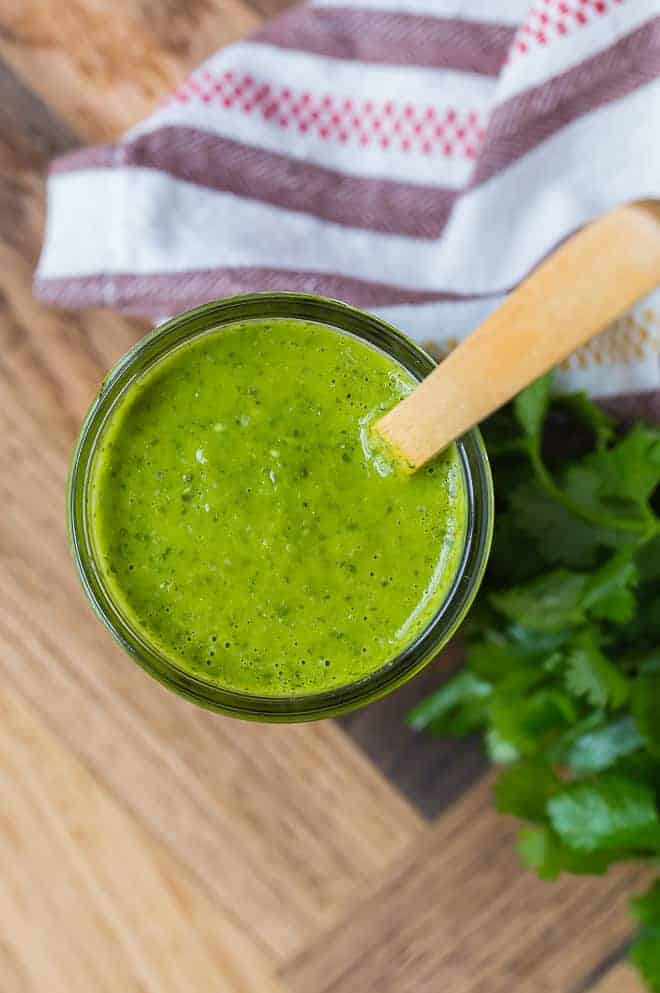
<point x="246" y="529"/>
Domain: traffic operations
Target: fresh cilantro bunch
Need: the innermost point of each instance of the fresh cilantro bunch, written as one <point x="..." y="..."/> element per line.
<point x="563" y="646"/>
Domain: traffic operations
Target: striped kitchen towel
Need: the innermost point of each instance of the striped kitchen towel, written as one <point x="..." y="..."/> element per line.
<point x="413" y="157"/>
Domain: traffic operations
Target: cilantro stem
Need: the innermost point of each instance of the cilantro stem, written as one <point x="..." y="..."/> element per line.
<point x="646" y="529"/>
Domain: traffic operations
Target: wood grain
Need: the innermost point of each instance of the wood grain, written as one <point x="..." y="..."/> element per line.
<point x="90" y="898"/>
<point x="281" y="826"/>
<point x="103" y="68"/>
<point x="459" y="913"/>
<point x="15" y="978"/>
<point x="292" y="821"/>
<point x="621" y="979"/>
<point x="146" y="846"/>
<point x="431" y="772"/>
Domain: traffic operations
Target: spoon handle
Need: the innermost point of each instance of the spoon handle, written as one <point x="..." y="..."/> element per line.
<point x="587" y="282"/>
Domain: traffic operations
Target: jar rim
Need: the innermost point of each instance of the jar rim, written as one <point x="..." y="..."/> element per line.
<point x="152" y="348"/>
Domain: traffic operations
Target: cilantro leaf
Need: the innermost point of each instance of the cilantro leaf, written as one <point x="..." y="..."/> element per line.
<point x="566" y="636"/>
<point x="645" y="950"/>
<point x="490" y="656"/>
<point x="645" y="706"/>
<point x="608" y="593"/>
<point x="609" y="813"/>
<point x="558" y="536"/>
<point x="551" y="601"/>
<point x="646" y="908"/>
<point x="531" y="407"/>
<point x="648" y="561"/>
<point x="541" y="850"/>
<point x="618" y="480"/>
<point x="583" y="486"/>
<point x="590" y="673"/>
<point x="522" y="724"/>
<point x="596" y="744"/>
<point x="618" y="607"/>
<point x="631" y="470"/>
<point x="499" y="750"/>
<point x="458" y="707"/>
<point x="641" y="766"/>
<point x="512" y="658"/>
<point x="525" y="788"/>
<point x="515" y="555"/>
<point x="642" y="633"/>
<point x="645" y="955"/>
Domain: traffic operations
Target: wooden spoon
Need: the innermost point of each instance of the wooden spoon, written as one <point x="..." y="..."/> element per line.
<point x="591" y="279"/>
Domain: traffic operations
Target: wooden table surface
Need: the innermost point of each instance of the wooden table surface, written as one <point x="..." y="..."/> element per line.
<point x="146" y="846"/>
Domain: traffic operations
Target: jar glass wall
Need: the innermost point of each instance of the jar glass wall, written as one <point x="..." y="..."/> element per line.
<point x="309" y="706"/>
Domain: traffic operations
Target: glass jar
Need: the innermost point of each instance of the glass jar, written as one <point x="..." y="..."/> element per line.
<point x="478" y="489"/>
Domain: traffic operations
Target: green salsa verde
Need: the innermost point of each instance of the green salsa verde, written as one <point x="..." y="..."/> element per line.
<point x="247" y="528"/>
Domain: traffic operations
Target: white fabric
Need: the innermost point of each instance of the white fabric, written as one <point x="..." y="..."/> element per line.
<point x="134" y="219"/>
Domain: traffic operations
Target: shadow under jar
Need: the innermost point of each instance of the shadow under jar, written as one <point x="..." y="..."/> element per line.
<point x="239" y="534"/>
